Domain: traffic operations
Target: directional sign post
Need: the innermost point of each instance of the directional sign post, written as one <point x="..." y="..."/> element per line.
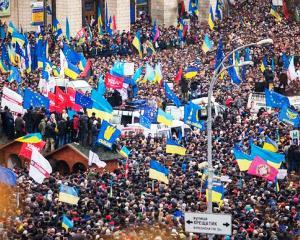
<point x="218" y="224"/>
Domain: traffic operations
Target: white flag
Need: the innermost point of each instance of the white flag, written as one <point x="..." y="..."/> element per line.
<point x="292" y="74"/>
<point x="39" y="168"/>
<point x="63" y="64"/>
<point x="93" y="158"/>
<point x="12" y="100"/>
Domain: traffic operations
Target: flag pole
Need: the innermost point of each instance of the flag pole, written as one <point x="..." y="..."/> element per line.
<point x="153" y="185"/>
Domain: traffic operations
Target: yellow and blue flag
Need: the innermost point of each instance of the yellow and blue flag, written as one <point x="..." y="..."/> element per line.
<point x="217" y="194"/>
<point x="99" y="21"/>
<point x="270" y="145"/>
<point x="219" y="54"/>
<point x="211" y="19"/>
<point x="219" y="9"/>
<point x="72" y="71"/>
<point x="273" y="159"/>
<point x="125" y="152"/>
<point x="289" y="115"/>
<point x="159" y="172"/>
<point x="55" y="71"/>
<point x="66" y="223"/>
<point x="174" y="148"/>
<point x="233" y="71"/>
<point x="71" y="56"/>
<point x="33" y="99"/>
<point x="108" y="134"/>
<point x="193" y="7"/>
<point x="157" y="74"/>
<point x="207" y="44"/>
<point x="264" y="64"/>
<point x="68" y="194"/>
<point x="57" y="28"/>
<point x="30" y="138"/>
<point x="100" y="101"/>
<point x="150" y="73"/>
<point x="3" y="67"/>
<point x="11" y="28"/>
<point x="137" y="43"/>
<point x="171" y="95"/>
<point x="191" y="116"/>
<point x="138" y="73"/>
<point x="275" y="14"/>
<point x="18" y="38"/>
<point x="191" y="72"/>
<point x="243" y="160"/>
<point x="14" y="75"/>
<point x="164" y="118"/>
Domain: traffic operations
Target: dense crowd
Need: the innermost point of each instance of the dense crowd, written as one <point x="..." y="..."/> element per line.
<point x="136" y="209"/>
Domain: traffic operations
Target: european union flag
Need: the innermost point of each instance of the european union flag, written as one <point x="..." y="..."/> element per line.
<point x="289" y="116"/>
<point x="19" y="51"/>
<point x="7" y="176"/>
<point x="4" y="56"/>
<point x="83" y="100"/>
<point x="71" y="56"/>
<point x="219" y="55"/>
<point x="171" y="95"/>
<point x="150" y="113"/>
<point x="14" y="75"/>
<point x="145" y="122"/>
<point x="32" y="99"/>
<point x="108" y="134"/>
<point x="276" y="100"/>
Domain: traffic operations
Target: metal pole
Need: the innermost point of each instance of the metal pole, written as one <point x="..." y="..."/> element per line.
<point x="45" y="14"/>
<point x="209" y="129"/>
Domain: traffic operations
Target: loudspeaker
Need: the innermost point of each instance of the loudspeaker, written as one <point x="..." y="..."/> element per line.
<point x="260" y="86"/>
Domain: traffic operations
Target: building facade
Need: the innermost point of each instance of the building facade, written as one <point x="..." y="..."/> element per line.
<point x="81" y="12"/>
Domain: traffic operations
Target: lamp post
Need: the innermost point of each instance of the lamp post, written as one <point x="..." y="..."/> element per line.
<point x="209" y="117"/>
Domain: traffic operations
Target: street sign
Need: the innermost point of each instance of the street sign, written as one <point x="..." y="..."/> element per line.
<point x="217" y="224"/>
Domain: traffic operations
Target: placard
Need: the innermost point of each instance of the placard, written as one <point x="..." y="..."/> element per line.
<point x="5" y="8"/>
<point x="37" y="16"/>
<point x="128" y="69"/>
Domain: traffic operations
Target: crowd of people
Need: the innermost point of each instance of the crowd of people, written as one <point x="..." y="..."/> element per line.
<point x="119" y="206"/>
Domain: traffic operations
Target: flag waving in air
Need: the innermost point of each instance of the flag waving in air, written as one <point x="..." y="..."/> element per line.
<point x="261" y="168"/>
<point x="108" y="134"/>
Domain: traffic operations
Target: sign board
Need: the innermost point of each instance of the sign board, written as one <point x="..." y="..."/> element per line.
<point x="128" y="69"/>
<point x="217" y="224"/>
<point x="282" y="173"/>
<point x="5" y="8"/>
<point x="277" y="2"/>
<point x="295" y="137"/>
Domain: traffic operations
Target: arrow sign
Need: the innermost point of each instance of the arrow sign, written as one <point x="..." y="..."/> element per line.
<point x="217" y="224"/>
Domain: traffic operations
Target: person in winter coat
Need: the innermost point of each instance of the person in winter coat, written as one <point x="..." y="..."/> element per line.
<point x="19" y="126"/>
<point x="50" y="136"/>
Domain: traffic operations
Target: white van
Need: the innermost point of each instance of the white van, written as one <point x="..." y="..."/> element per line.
<point x="178" y="113"/>
<point x="79" y="85"/>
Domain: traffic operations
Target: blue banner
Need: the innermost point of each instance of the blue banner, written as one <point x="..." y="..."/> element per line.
<point x="108" y="134"/>
<point x="289" y="116"/>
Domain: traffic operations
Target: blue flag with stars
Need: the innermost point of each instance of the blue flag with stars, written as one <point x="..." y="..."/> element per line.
<point x="145" y="122"/>
<point x="171" y="95"/>
<point x="276" y="100"/>
<point x="83" y="100"/>
<point x="150" y="113"/>
<point x="32" y="99"/>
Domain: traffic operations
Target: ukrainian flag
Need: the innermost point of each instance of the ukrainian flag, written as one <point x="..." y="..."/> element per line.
<point x="217" y="194"/>
<point x="30" y="138"/>
<point x="263" y="65"/>
<point x="157" y="74"/>
<point x="191" y="72"/>
<point x="125" y="152"/>
<point x="158" y="172"/>
<point x="270" y="145"/>
<point x="137" y="43"/>
<point x="243" y="160"/>
<point x="12" y="56"/>
<point x="57" y="28"/>
<point x="68" y="195"/>
<point x="66" y="223"/>
<point x="207" y="44"/>
<point x="55" y="71"/>
<point x="273" y="159"/>
<point x="174" y="148"/>
<point x="72" y="71"/>
<point x="164" y="118"/>
<point x="3" y="67"/>
<point x="11" y="28"/>
<point x="275" y="14"/>
<point x="18" y="38"/>
<point x="99" y="114"/>
<point x="211" y="19"/>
